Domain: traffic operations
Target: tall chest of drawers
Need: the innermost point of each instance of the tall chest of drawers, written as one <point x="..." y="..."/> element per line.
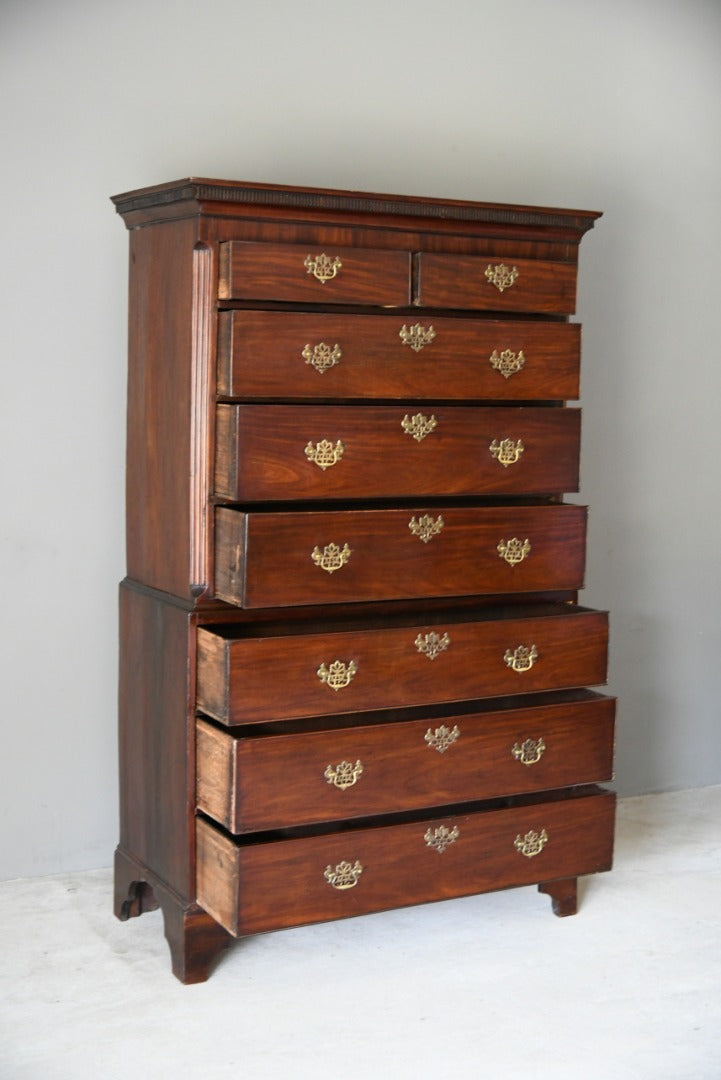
<point x="354" y="674"/>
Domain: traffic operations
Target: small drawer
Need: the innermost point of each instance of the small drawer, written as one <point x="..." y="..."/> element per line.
<point x="302" y="452"/>
<point x="314" y="274"/>
<point x="303" y="355"/>
<point x="287" y="559"/>
<point x="247" y="676"/>
<point x="496" y="284"/>
<point x="253" y="887"/>
<point x="253" y="782"/>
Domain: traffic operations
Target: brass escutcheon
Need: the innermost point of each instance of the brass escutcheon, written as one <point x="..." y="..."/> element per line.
<point x="507" y="363"/>
<point x="331" y="558"/>
<point x="338" y="675"/>
<point x="418" y="426"/>
<point x="324" y="454"/>
<point x="507" y="451"/>
<point x="322" y="357"/>
<point x="442" y="738"/>
<point x="343" y="876"/>
<point x="513" y="551"/>
<point x="529" y="752"/>
<point x="441" y="837"/>
<point x="344" y="774"/>
<point x="501" y="276"/>
<point x="322" y="267"/>
<point x="522" y="658"/>
<point x="431" y="645"/>
<point x="416" y="336"/>
<point x="532" y="843"/>
<point x="425" y="528"/>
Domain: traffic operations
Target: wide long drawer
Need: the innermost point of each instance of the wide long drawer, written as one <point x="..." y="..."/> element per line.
<point x="495" y="284"/>
<point x="250" y="888"/>
<point x="244" y="677"/>
<point x="285" y="559"/>
<point x="306" y="355"/>
<point x="299" y="272"/>
<point x="299" y="452"/>
<point x="250" y="782"/>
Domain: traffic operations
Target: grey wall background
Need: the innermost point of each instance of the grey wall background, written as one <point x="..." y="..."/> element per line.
<point x="613" y="106"/>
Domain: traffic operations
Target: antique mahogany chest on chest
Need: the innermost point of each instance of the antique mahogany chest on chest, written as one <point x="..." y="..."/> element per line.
<point x="354" y="674"/>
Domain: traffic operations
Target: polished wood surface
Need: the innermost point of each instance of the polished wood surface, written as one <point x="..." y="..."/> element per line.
<point x="261" y="356"/>
<point x="276" y="560"/>
<point x="460" y="281"/>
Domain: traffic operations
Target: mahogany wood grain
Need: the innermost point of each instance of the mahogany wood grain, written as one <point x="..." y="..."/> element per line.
<point x="280" y="883"/>
<point x="261" y="452"/>
<point x="267" y="560"/>
<point x="459" y="281"/>
<point x="260" y="356"/>
<point x="250" y="783"/>
<point x="279" y="272"/>
<point x="250" y="679"/>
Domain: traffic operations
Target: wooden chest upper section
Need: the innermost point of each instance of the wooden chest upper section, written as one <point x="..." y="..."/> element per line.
<point x="244" y="295"/>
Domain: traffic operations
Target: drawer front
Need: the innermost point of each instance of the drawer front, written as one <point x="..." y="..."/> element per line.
<point x="307" y="355"/>
<point x="297" y="452"/>
<point x="496" y="284"/>
<point x="278" y="560"/>
<point x="251" y="784"/>
<point x="312" y="274"/>
<point x="266" y="886"/>
<point x="244" y="680"/>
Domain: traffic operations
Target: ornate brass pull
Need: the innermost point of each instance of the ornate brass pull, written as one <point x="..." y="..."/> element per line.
<point x="322" y="267"/>
<point x="331" y="558"/>
<point x="431" y="645"/>
<point x="344" y="774"/>
<point x="418" y="426"/>
<point x="338" y="675"/>
<point x="501" y="276"/>
<point x="324" y="454"/>
<point x="343" y="876"/>
<point x="441" y="838"/>
<point x="507" y="363"/>
<point x="322" y="357"/>
<point x="416" y="336"/>
<point x="441" y="738"/>
<point x="425" y="528"/>
<point x="507" y="451"/>
<point x="513" y="551"/>
<point x="529" y="752"/>
<point x="522" y="658"/>
<point x="532" y="843"/>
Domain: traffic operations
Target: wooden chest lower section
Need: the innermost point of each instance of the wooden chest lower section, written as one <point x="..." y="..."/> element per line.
<point x="275" y="883"/>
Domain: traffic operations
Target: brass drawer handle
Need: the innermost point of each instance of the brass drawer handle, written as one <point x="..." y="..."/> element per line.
<point x="425" y="528"/>
<point x="417" y="336"/>
<point x="507" y="451"/>
<point x="343" y="876"/>
<point x="441" y="738"/>
<point x="529" y="752"/>
<point x="324" y="454"/>
<point x="532" y="843"/>
<point x="338" y="675"/>
<point x="419" y="425"/>
<point x="522" y="658"/>
<point x="507" y="363"/>
<point x="344" y="774"/>
<point x="513" y="551"/>
<point x="322" y="267"/>
<point x="432" y="645"/>
<point x="331" y="558"/>
<point x="501" y="276"/>
<point x="441" y="838"/>
<point x="322" y="357"/>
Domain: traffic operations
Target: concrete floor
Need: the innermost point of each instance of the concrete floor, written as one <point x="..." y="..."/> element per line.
<point x="491" y="986"/>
